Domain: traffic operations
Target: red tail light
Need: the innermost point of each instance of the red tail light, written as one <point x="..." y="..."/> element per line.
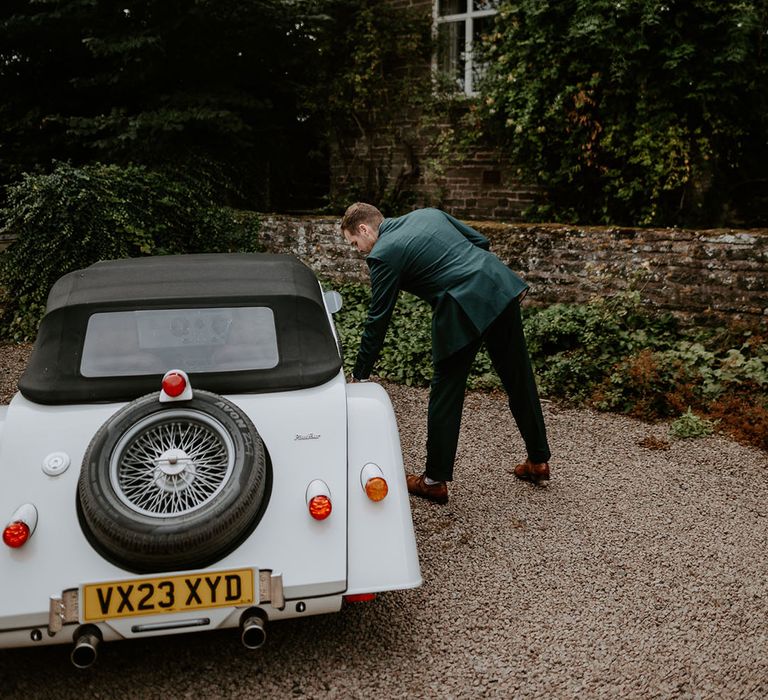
<point x="359" y="597"/>
<point x="16" y="534"/>
<point x="319" y="499"/>
<point x="174" y="384"/>
<point x="21" y="526"/>
<point x="320" y="507"/>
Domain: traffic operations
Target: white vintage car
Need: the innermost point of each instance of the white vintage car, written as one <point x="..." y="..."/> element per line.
<point x="184" y="454"/>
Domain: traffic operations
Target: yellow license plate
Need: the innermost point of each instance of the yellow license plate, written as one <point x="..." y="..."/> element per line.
<point x="167" y="594"/>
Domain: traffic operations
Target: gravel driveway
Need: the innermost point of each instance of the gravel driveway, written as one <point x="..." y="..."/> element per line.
<point x="636" y="572"/>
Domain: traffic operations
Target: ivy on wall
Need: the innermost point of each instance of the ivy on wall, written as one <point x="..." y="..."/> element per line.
<point x="633" y="111"/>
<point x="373" y="78"/>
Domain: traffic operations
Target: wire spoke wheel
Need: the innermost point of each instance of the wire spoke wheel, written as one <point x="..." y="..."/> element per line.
<point x="170" y="487"/>
<point x="172" y="463"/>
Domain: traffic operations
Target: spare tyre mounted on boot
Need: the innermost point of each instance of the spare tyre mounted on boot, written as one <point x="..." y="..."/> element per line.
<point x="172" y="486"/>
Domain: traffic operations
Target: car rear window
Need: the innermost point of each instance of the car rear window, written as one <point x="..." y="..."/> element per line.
<point x="129" y="343"/>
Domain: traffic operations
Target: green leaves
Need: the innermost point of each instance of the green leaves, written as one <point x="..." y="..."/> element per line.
<point x="609" y="353"/>
<point x="76" y="216"/>
<point x="407" y="353"/>
<point x="634" y="112"/>
<point x="168" y="84"/>
<point x="690" y="426"/>
<point x="371" y="79"/>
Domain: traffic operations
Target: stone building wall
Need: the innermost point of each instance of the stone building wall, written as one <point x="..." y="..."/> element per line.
<point x="405" y="158"/>
<point x="715" y="276"/>
<point x="476" y="186"/>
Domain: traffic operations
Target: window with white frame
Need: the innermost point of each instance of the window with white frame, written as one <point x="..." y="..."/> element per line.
<point x="460" y="26"/>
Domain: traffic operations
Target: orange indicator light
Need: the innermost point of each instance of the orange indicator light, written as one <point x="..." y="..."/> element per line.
<point x="376" y="488"/>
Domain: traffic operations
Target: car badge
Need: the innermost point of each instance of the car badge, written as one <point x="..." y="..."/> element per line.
<point x="307" y="436"/>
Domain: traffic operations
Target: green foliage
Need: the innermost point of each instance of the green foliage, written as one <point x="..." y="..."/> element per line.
<point x="407" y="353"/>
<point x="689" y="426"/>
<point x="634" y="112"/>
<point x="646" y="384"/>
<point x="372" y="74"/>
<point x="196" y="86"/>
<point x="572" y="346"/>
<point x="575" y="346"/>
<point x="717" y="372"/>
<point x="76" y="216"/>
<point x="611" y="354"/>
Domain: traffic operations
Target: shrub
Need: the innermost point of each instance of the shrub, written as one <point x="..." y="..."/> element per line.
<point x="633" y="112"/>
<point x="608" y="353"/>
<point x="74" y="217"/>
<point x="406" y="355"/>
<point x="743" y="413"/>
<point x="574" y="346"/>
<point x="689" y="426"/>
<point x="646" y="385"/>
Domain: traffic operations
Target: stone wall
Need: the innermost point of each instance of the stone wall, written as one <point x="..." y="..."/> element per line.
<point x="715" y="276"/>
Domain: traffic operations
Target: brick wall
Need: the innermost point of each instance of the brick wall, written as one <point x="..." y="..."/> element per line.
<point x="480" y="187"/>
<point x="716" y="276"/>
<point x="404" y="157"/>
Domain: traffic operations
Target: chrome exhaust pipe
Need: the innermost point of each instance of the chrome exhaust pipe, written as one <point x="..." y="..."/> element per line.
<point x="85" y="652"/>
<point x="253" y="631"/>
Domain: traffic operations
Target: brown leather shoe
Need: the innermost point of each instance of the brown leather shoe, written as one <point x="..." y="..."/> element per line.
<point x="417" y="487"/>
<point x="532" y="471"/>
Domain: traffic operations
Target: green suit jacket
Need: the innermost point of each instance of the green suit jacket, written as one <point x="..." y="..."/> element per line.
<point x="446" y="263"/>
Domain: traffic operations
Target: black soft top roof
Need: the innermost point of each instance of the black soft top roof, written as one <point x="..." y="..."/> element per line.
<point x="222" y="278"/>
<point x="307" y="349"/>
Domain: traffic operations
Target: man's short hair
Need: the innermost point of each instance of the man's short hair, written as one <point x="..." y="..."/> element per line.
<point x="361" y="213"/>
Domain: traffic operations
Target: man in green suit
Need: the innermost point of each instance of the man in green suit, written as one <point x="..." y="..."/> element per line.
<point x="475" y="298"/>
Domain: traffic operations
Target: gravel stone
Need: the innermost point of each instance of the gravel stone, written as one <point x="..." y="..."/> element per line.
<point x="639" y="571"/>
<point x="13" y="360"/>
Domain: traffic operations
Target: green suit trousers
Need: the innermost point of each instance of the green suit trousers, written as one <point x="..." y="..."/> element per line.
<point x="506" y="346"/>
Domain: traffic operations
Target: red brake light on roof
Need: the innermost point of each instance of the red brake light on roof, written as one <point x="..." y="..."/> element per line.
<point x="320" y="507"/>
<point x="16" y="534"/>
<point x="174" y="384"/>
